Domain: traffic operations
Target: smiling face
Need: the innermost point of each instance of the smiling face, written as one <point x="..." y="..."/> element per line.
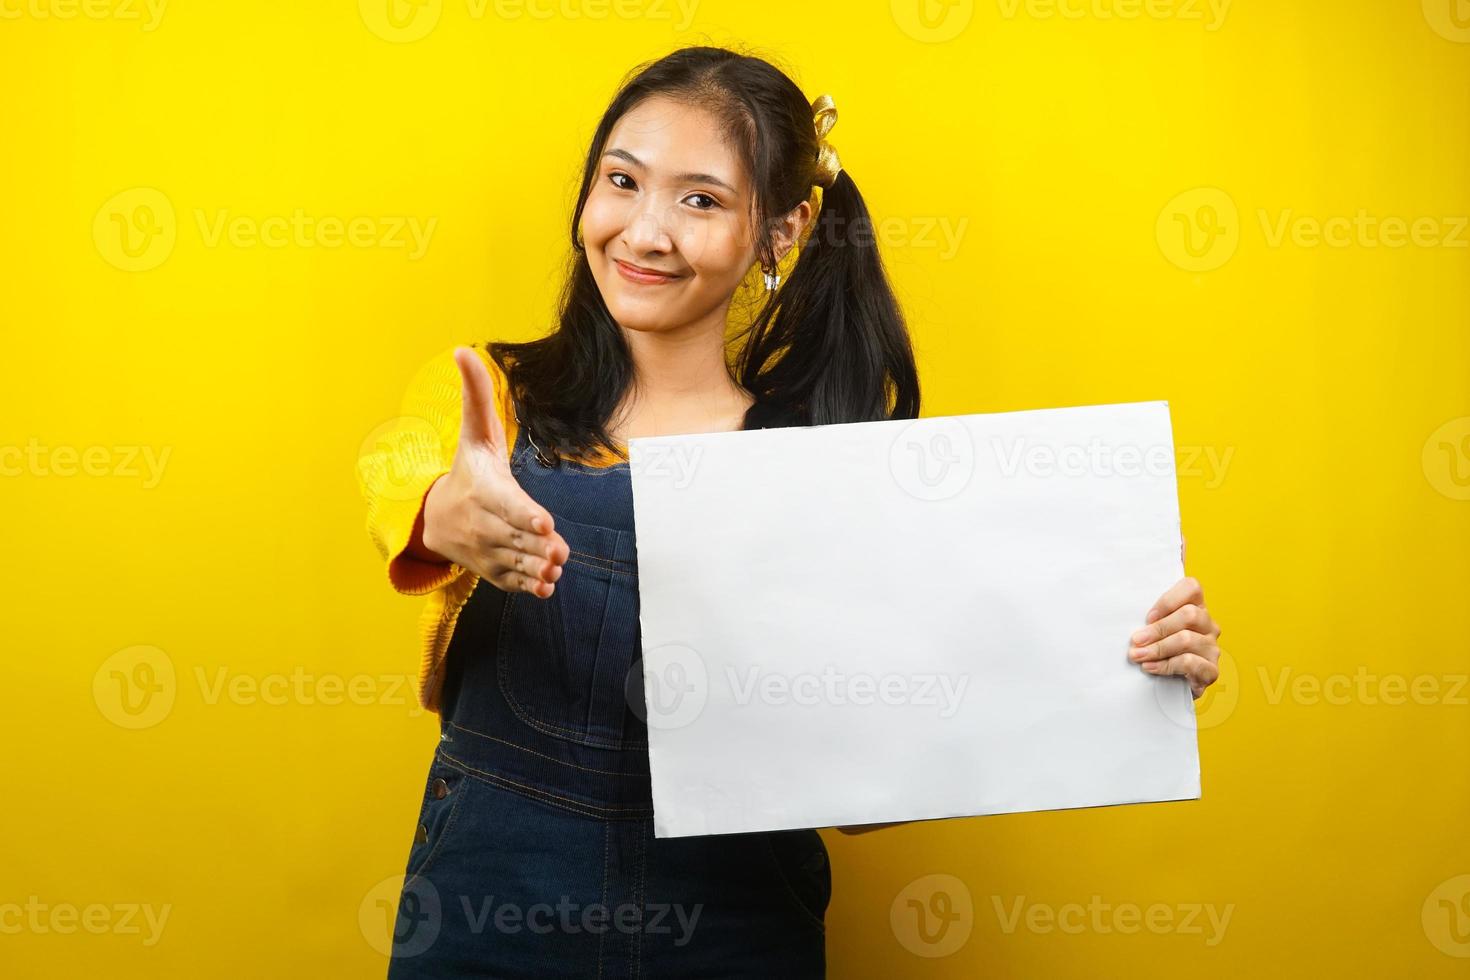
<point x="667" y="223"/>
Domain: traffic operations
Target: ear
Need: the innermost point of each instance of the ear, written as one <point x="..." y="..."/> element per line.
<point x="789" y="229"/>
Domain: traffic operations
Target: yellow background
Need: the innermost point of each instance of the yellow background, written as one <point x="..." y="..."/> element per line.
<point x="1068" y="149"/>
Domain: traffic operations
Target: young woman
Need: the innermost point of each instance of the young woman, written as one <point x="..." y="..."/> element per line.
<point x="534" y="854"/>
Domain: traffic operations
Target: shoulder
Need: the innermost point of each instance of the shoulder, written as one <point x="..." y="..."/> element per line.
<point x="441" y="373"/>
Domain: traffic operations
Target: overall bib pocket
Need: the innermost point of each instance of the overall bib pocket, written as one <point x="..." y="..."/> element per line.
<point x="564" y="661"/>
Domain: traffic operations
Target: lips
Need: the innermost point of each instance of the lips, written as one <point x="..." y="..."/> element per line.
<point x="634" y="273"/>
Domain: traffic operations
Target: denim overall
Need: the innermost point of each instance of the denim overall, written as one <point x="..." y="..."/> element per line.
<point x="534" y="853"/>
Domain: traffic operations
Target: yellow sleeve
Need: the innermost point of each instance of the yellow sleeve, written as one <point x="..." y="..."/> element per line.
<point x="403" y="457"/>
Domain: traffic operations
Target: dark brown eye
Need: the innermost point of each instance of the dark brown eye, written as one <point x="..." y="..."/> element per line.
<point x="614" y="178"/>
<point x="712" y="202"/>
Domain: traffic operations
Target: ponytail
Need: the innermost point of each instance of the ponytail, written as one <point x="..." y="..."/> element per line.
<point x="831" y="345"/>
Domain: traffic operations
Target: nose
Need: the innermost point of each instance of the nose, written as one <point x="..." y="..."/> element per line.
<point x="647" y="228"/>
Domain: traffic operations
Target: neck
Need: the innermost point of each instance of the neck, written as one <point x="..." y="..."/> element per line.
<point x="681" y="383"/>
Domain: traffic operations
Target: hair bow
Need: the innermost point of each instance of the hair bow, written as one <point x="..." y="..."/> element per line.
<point x="824" y="117"/>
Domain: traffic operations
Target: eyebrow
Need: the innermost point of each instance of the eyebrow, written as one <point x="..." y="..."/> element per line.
<point x="693" y="178"/>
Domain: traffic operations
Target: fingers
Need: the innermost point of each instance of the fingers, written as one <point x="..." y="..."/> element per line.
<point x="513" y="581"/>
<point x="1200" y="672"/>
<point x="519" y="561"/>
<point x="520" y="512"/>
<point x="527" y="563"/>
<point x="526" y="526"/>
<point x="1187" y="617"/>
<point x="1180" y="637"/>
<point x="1174" y="645"/>
<point x="479" y="423"/>
<point x="1185" y="590"/>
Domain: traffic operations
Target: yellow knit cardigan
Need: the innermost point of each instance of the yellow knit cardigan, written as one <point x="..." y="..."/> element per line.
<point x="398" y="464"/>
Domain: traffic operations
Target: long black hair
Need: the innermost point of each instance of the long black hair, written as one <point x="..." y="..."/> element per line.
<point x="829" y="345"/>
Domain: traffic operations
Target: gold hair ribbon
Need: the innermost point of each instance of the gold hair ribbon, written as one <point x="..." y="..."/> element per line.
<point x="824" y="117"/>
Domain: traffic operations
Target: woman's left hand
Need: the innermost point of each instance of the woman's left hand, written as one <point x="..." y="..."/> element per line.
<point x="1180" y="637"/>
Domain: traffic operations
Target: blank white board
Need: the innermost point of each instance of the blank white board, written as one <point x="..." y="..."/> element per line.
<point x="907" y="620"/>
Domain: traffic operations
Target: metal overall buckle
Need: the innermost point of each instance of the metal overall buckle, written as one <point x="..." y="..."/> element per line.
<point x="540" y="457"/>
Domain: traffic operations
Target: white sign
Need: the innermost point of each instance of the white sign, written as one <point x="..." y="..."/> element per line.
<point x="906" y="620"/>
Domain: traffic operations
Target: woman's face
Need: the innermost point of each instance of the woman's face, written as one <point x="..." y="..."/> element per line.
<point x="672" y="200"/>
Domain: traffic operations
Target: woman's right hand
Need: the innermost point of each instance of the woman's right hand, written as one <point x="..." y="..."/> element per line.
<point x="477" y="515"/>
